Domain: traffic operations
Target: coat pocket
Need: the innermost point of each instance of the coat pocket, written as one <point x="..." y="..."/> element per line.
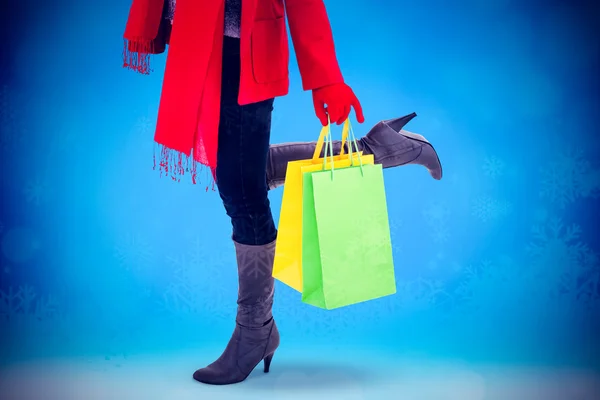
<point x="270" y="52"/>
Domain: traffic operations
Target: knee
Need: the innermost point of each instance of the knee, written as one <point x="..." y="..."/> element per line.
<point x="251" y="217"/>
<point x="242" y="205"/>
<point x="242" y="196"/>
<point x="249" y="209"/>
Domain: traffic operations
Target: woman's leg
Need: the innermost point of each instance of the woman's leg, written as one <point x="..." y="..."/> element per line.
<point x="390" y="145"/>
<point x="244" y="133"/>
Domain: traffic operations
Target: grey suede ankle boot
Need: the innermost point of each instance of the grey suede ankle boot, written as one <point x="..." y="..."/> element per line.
<point x="255" y="337"/>
<point x="389" y="144"/>
<point x="393" y="146"/>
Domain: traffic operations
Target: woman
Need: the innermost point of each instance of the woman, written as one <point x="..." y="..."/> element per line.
<point x="227" y="61"/>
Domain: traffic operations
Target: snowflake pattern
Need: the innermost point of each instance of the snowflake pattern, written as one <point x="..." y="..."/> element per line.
<point x="26" y="302"/>
<point x="436" y="212"/>
<point x="566" y="265"/>
<point x="440" y="233"/>
<point x="396" y="234"/>
<point x="421" y="294"/>
<point x="133" y="252"/>
<point x="200" y="282"/>
<point x="561" y="267"/>
<point x="586" y="283"/>
<point x="396" y="226"/>
<point x="290" y="310"/>
<point x="144" y="126"/>
<point x="184" y="294"/>
<point x="378" y="311"/>
<point x="434" y="263"/>
<point x="493" y="167"/>
<point x="256" y="262"/>
<point x="35" y="191"/>
<point x="437" y="215"/>
<point x="568" y="178"/>
<point x="483" y="283"/>
<point x="331" y="322"/>
<point x="487" y="209"/>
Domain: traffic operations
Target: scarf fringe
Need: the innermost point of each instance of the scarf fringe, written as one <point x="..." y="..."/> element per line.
<point x="175" y="164"/>
<point x="136" y="55"/>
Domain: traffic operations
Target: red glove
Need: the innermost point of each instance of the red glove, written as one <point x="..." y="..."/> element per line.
<point x="339" y="98"/>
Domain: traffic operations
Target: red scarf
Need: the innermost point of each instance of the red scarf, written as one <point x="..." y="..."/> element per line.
<point x="188" y="115"/>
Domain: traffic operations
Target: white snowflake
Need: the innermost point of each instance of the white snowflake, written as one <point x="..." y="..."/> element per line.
<point x="144" y="126"/>
<point x="559" y="254"/>
<point x="487" y="209"/>
<point x="588" y="280"/>
<point x="201" y="282"/>
<point x="436" y="215"/>
<point x="421" y="294"/>
<point x="440" y="233"/>
<point x="26" y="301"/>
<point x="569" y="177"/>
<point x="133" y="252"/>
<point x="493" y="167"/>
<point x="436" y="212"/>
<point x="396" y="237"/>
<point x="488" y="284"/>
<point x="396" y="225"/>
<point x="35" y="191"/>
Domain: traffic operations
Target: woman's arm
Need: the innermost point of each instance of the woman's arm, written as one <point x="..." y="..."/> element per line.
<point x="313" y="43"/>
<point x="159" y="43"/>
<point x="315" y="51"/>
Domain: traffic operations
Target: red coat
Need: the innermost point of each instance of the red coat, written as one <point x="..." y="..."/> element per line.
<point x="188" y="116"/>
<point x="265" y="49"/>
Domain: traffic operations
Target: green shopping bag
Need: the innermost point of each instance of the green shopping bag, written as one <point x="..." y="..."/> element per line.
<point x="346" y="244"/>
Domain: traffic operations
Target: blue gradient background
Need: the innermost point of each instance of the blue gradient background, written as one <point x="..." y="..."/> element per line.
<point x="498" y="262"/>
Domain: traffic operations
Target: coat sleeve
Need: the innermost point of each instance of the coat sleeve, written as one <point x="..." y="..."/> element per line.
<point x="164" y="33"/>
<point x="313" y="43"/>
<point x="159" y="44"/>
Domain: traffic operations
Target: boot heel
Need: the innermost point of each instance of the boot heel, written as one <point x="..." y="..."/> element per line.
<point x="267" y="362"/>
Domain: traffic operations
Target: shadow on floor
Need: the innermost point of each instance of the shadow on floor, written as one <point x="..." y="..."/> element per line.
<point x="317" y="376"/>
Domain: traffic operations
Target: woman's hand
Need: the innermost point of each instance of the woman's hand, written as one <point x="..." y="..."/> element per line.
<point x="336" y="101"/>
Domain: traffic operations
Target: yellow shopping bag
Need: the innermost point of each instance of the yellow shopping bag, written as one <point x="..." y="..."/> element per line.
<point x="287" y="267"/>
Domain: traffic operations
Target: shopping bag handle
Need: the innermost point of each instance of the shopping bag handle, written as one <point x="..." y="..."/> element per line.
<point x="345" y="131"/>
<point x="354" y="141"/>
<point x="329" y="148"/>
<point x="327" y="129"/>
